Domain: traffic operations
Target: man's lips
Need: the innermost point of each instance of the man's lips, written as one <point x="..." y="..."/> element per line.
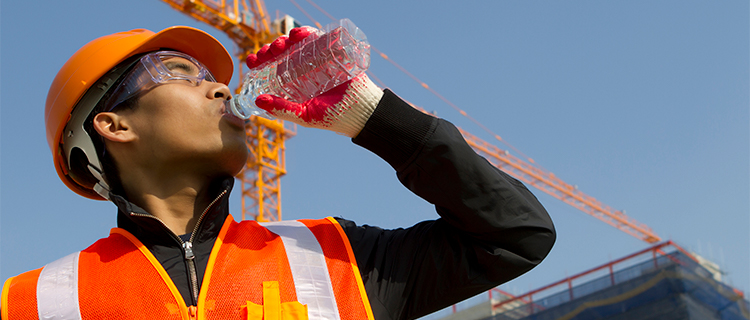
<point x="229" y="116"/>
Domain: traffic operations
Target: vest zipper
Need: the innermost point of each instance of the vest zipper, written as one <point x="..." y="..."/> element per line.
<point x="190" y="257"/>
<point x="187" y="247"/>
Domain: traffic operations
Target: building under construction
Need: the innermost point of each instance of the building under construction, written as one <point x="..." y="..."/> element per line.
<point x="661" y="282"/>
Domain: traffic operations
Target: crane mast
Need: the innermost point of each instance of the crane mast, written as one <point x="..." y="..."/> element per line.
<point x="246" y="22"/>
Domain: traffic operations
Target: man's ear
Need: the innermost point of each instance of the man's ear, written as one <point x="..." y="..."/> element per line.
<point x="113" y="127"/>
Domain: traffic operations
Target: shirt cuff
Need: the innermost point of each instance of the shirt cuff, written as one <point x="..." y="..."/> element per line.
<point x="396" y="131"/>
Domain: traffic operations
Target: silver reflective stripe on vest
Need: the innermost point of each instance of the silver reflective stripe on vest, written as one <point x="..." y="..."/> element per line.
<point x="57" y="289"/>
<point x="309" y="270"/>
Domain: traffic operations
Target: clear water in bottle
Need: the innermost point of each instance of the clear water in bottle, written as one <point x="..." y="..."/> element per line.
<point x="315" y="65"/>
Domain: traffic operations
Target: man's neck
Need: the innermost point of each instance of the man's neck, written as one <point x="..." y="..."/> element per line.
<point x="177" y="200"/>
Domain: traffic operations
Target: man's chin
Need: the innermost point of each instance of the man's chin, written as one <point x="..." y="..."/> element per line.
<point x="235" y="163"/>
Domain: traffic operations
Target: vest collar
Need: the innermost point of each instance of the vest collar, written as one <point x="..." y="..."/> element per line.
<point x="148" y="229"/>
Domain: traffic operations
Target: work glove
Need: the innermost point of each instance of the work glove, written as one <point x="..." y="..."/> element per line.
<point x="343" y="109"/>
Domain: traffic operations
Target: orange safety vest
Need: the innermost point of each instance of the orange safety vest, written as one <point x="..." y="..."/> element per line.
<point x="303" y="269"/>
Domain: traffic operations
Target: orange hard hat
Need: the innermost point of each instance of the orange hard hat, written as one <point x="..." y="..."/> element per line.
<point x="91" y="68"/>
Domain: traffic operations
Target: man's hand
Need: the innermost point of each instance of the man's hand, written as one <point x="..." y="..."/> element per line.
<point x="344" y="109"/>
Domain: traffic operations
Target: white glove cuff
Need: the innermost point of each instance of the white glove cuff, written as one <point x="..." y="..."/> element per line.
<point x="357" y="105"/>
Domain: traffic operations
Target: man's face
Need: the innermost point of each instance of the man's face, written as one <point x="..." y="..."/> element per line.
<point x="183" y="126"/>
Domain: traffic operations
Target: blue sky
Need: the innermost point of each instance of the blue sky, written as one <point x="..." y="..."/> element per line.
<point x="643" y="105"/>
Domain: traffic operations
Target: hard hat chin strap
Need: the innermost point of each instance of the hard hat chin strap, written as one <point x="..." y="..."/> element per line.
<point x="101" y="187"/>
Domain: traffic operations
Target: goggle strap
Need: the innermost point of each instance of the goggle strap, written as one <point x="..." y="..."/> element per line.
<point x="129" y="87"/>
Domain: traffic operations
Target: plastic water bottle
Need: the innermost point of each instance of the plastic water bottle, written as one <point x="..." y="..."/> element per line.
<point x="315" y="65"/>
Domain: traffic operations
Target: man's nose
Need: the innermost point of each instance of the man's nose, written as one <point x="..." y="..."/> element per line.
<point x="219" y="91"/>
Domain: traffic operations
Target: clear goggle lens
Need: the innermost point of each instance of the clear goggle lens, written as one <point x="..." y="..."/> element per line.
<point x="158" y="68"/>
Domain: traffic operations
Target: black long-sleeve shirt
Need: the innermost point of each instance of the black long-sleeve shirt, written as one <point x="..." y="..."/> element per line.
<point x="491" y="228"/>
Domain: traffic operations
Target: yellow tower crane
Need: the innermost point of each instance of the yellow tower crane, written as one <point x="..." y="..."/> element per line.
<point x="248" y="25"/>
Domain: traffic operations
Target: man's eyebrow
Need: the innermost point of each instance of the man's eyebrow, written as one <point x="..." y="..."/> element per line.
<point x="176" y="64"/>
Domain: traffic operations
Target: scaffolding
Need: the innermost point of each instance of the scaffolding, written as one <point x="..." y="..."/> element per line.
<point x="661" y="282"/>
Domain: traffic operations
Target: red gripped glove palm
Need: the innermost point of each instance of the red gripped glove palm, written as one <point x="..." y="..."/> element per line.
<point x="343" y="109"/>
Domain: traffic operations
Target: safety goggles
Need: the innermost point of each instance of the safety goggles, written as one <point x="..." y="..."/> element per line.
<point x="157" y="68"/>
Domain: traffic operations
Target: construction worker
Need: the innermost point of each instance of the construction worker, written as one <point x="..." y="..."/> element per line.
<point x="138" y="118"/>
